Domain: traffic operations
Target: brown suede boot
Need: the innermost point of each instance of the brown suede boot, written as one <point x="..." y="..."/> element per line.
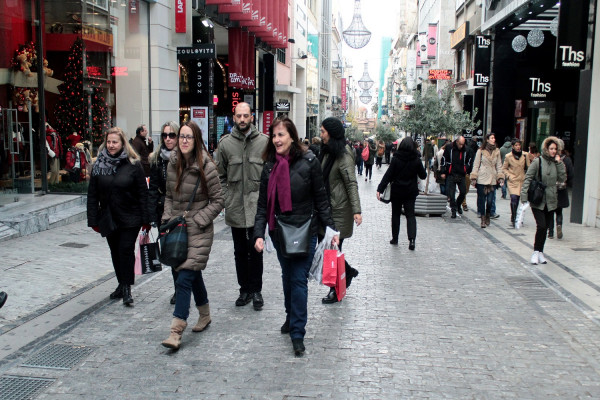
<point x="559" y="233"/>
<point x="177" y="328"/>
<point x="487" y="219"/>
<point x="483" y="225"/>
<point x="203" y="320"/>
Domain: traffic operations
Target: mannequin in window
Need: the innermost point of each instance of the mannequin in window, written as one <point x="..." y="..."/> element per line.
<point x="55" y="144"/>
<point x="76" y="162"/>
<point x="73" y="139"/>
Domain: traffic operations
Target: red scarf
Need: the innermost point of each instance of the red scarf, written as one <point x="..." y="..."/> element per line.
<point x="279" y="189"/>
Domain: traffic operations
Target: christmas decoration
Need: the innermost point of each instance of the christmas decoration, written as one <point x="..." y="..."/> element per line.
<point x="81" y="106"/>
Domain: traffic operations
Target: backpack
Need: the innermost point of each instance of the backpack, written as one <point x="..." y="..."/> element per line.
<point x="365" y="153"/>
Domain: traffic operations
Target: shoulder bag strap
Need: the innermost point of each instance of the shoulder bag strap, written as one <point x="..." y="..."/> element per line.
<point x="540" y="168"/>
<point x="187" y="209"/>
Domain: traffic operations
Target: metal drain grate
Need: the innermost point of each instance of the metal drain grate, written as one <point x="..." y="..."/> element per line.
<point x="58" y="356"/>
<point x="532" y="289"/>
<point x="583" y="249"/>
<point x="22" y="387"/>
<point x="74" y="245"/>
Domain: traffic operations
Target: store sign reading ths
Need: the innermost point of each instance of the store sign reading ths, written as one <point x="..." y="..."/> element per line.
<point x="197" y="52"/>
<point x="180" y="16"/>
<point x="572" y="34"/>
<point x="440" y="74"/>
<point x="539" y="88"/>
<point x="483" y="52"/>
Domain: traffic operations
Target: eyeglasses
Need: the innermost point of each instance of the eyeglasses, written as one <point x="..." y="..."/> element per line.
<point x="171" y="135"/>
<point x="186" y="138"/>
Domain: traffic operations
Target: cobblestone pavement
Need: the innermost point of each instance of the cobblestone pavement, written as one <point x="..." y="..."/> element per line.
<point x="460" y="317"/>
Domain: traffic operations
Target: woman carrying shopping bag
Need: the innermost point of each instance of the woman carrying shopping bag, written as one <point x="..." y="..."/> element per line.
<point x="403" y="172"/>
<point x="552" y="171"/>
<point x="117" y="205"/>
<point x="291" y="192"/>
<point x="157" y="188"/>
<point x="189" y="165"/>
<point x="337" y="163"/>
<point x="515" y="165"/>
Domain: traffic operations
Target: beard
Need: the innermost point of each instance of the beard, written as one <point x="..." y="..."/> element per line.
<point x="242" y="129"/>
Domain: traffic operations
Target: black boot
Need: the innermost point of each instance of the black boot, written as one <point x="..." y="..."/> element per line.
<point x="173" y="298"/>
<point x="118" y="293"/>
<point x="330" y="298"/>
<point x="127" y="299"/>
<point x="513" y="214"/>
<point x="411" y="244"/>
<point x="351" y="273"/>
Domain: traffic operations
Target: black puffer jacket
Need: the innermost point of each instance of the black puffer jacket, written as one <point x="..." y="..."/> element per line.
<point x="403" y="172"/>
<point x="308" y="195"/>
<point x="126" y="192"/>
<point x="456" y="161"/>
<point x="157" y="189"/>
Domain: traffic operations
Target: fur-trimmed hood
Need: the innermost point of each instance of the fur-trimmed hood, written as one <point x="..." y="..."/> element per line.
<point x="548" y="141"/>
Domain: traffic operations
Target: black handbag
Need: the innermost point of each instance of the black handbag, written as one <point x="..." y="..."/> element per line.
<point x="293" y="235"/>
<point x="537" y="189"/>
<point x="174" y="237"/>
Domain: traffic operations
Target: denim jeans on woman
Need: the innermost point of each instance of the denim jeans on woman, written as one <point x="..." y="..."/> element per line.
<point x="484" y="201"/>
<point x="294" y="275"/>
<point x="189" y="282"/>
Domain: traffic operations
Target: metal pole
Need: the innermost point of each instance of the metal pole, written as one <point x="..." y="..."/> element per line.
<point x="149" y="75"/>
<point x="31" y="161"/>
<point x="41" y="97"/>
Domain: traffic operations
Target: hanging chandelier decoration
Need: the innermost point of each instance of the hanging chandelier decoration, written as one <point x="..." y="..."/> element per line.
<point x="365" y="82"/>
<point x="357" y="35"/>
<point x="519" y="43"/>
<point x="535" y="38"/>
<point x="365" y="97"/>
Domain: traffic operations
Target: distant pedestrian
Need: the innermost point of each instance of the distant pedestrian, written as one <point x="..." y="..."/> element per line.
<point x="562" y="193"/>
<point x="388" y="152"/>
<point x="438" y="169"/>
<point x="380" y="154"/>
<point x="405" y="168"/>
<point x="533" y="152"/>
<point x="337" y="162"/>
<point x="514" y="168"/>
<point x="159" y="161"/>
<point x="552" y="171"/>
<point x="504" y="150"/>
<point x="315" y="147"/>
<point x="487" y="174"/>
<point x="456" y="164"/>
<point x="142" y="144"/>
<point x="240" y="166"/>
<point x="291" y="186"/>
<point x="117" y="205"/>
<point x="189" y="165"/>
<point x="358" y="149"/>
<point x="472" y="150"/>
<point x="370" y="159"/>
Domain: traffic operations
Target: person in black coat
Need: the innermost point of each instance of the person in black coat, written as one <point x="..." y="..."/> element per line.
<point x="117" y="205"/>
<point x="456" y="164"/>
<point x="403" y="171"/>
<point x="143" y="146"/>
<point x="157" y="187"/>
<point x="291" y="185"/>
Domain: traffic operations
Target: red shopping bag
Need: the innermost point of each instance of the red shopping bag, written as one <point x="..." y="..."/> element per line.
<point x="330" y="267"/>
<point x="340" y="283"/>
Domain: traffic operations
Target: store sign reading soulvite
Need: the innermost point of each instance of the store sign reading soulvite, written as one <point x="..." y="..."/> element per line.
<point x="572" y="34"/>
<point x="197" y="52"/>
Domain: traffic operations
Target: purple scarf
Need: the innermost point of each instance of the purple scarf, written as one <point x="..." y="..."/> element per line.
<point x="279" y="185"/>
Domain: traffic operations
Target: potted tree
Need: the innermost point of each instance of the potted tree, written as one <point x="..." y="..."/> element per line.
<point x="433" y="114"/>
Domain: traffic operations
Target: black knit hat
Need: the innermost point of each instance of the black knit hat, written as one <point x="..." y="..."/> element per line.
<point x="334" y="128"/>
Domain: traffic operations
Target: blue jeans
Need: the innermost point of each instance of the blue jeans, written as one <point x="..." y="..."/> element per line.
<point x="359" y="165"/>
<point x="294" y="274"/>
<point x="493" y="207"/>
<point x="189" y="282"/>
<point x="503" y="191"/>
<point x="484" y="201"/>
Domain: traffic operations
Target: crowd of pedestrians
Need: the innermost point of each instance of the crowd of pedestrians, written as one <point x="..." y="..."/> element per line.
<point x="272" y="186"/>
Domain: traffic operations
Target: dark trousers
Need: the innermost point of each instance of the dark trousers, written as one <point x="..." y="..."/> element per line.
<point x="409" y="212"/>
<point x="248" y="262"/>
<point x="359" y="165"/>
<point x="189" y="282"/>
<point x="122" y="251"/>
<point x="378" y="161"/>
<point x="453" y="181"/>
<point x="559" y="219"/>
<point x="294" y="275"/>
<point x="543" y="219"/>
<point x="368" y="170"/>
<point x="484" y="201"/>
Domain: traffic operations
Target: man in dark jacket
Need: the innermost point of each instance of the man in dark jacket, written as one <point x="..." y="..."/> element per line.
<point x="456" y="164"/>
<point x="143" y="149"/>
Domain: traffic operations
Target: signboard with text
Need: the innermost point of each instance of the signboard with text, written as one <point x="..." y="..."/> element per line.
<point x="482" y="68"/>
<point x="200" y="116"/>
<point x="344" y="95"/>
<point x="268" y="117"/>
<point x="571" y="42"/>
<point x="440" y="74"/>
<point x="180" y="16"/>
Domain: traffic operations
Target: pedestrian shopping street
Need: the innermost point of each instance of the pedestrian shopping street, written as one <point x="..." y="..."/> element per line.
<point x="463" y="316"/>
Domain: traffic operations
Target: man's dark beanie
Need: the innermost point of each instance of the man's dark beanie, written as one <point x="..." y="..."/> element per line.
<point x="334" y="127"/>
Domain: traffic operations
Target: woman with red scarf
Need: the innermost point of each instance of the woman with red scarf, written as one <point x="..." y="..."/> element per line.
<point x="291" y="185"/>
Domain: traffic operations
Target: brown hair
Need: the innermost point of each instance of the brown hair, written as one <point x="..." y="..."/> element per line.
<point x="197" y="157"/>
<point x="297" y="149"/>
<point x="131" y="154"/>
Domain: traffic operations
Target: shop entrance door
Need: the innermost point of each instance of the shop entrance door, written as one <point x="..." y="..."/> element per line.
<point x="16" y="158"/>
<point x="542" y="117"/>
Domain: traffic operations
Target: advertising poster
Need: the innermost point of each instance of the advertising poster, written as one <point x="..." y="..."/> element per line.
<point x="200" y="117"/>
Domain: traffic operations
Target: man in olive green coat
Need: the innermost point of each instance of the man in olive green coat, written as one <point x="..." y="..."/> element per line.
<point x="240" y="163"/>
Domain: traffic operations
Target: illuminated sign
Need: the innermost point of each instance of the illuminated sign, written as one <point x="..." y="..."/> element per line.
<point x="440" y="74"/>
<point x="119" y="71"/>
<point x="94" y="72"/>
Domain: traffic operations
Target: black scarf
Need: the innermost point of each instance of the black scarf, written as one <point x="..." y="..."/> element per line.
<point x="106" y="164"/>
<point x="517" y="154"/>
<point x="325" y="150"/>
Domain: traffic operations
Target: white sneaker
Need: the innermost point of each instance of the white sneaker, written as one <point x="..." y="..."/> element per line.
<point x="542" y="259"/>
<point x="535" y="257"/>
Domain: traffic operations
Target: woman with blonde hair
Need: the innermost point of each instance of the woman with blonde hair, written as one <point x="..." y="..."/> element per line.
<point x="486" y="174"/>
<point x="514" y="168"/>
<point x="117" y="205"/>
<point x="159" y="160"/>
<point x="192" y="175"/>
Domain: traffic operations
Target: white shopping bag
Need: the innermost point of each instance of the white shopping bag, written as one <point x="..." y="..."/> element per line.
<point x="520" y="213"/>
<point x="316" y="268"/>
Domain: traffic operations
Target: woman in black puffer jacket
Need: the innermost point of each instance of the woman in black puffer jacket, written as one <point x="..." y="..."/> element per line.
<point x="118" y="196"/>
<point x="292" y="185"/>
<point x="406" y="166"/>
<point x="157" y="188"/>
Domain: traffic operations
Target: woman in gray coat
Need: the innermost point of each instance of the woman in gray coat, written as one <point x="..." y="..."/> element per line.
<point x="553" y="171"/>
<point x="337" y="163"/>
<point x="191" y="163"/>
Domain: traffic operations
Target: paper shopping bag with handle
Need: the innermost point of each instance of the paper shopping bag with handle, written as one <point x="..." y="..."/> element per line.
<point x="340" y="283"/>
<point x="330" y="267"/>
